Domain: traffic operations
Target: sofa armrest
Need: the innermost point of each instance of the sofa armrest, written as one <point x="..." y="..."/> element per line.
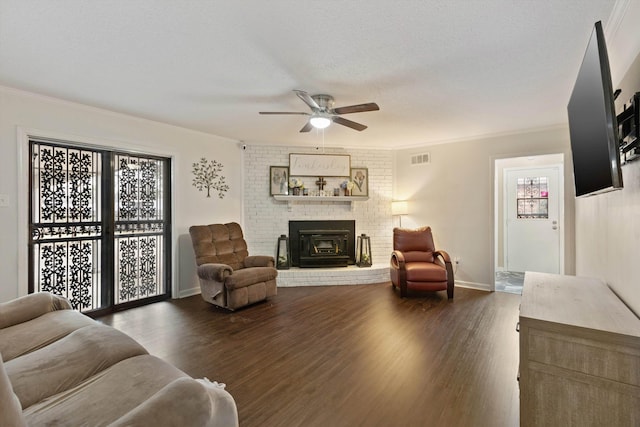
<point x="397" y="260"/>
<point x="10" y="407"/>
<point x="441" y="258"/>
<point x="442" y="254"/>
<point x="215" y="272"/>
<point x="223" y="405"/>
<point x="183" y="402"/>
<point x="29" y="307"/>
<point x="259" y="261"/>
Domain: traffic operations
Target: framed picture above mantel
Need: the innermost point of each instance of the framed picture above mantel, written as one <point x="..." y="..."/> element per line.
<point x="279" y="180"/>
<point x="360" y="179"/>
<point x="319" y="164"/>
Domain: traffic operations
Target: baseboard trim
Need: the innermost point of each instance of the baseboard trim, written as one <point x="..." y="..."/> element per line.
<point x="189" y="292"/>
<point x="474" y="285"/>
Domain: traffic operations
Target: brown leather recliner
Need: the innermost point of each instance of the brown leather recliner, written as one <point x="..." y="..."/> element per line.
<point x="416" y="265"/>
<point x="229" y="277"/>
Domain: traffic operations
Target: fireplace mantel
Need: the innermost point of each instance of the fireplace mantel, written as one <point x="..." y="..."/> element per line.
<point x="311" y="199"/>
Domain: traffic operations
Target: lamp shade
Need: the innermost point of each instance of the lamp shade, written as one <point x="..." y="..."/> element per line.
<point x="399" y="208"/>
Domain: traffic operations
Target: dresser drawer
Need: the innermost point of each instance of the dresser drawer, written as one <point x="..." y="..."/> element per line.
<point x="618" y="363"/>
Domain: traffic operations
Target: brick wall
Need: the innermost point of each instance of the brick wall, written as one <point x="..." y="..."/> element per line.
<point x="265" y="218"/>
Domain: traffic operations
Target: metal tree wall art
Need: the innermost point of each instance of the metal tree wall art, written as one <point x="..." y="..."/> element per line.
<point x="206" y="174"/>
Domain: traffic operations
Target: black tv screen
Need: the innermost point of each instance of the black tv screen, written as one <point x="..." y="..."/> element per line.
<point x="592" y="122"/>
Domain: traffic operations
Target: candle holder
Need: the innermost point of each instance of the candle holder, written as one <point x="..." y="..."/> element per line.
<point x="283" y="256"/>
<point x="363" y="251"/>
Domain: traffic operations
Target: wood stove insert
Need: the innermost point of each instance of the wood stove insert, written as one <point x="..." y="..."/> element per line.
<point x="322" y="243"/>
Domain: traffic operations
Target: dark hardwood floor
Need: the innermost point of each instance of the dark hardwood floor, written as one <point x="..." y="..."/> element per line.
<point x="347" y="355"/>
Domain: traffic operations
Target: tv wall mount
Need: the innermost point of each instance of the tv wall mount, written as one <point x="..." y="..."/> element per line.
<point x="629" y="129"/>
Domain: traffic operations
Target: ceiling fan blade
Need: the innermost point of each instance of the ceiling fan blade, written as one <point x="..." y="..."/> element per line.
<point x="306" y="127"/>
<point x="283" y="112"/>
<point x="360" y="108"/>
<point x="307" y="99"/>
<point x="348" y="123"/>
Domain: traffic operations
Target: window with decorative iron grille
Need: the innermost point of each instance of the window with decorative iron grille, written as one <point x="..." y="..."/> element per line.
<point x="533" y="198"/>
<point x="99" y="225"/>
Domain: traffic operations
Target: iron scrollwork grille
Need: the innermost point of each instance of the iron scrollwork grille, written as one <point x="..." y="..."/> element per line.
<point x="66" y="223"/>
<point x="99" y="225"/>
<point x="532" y="198"/>
<point x="139" y="228"/>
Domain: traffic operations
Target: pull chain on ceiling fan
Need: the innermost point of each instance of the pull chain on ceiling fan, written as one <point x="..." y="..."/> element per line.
<point x="323" y="114"/>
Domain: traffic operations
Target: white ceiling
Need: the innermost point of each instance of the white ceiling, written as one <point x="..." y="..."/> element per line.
<point x="440" y="70"/>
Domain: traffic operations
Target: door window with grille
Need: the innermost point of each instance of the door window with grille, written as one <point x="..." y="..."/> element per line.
<point x="99" y="225"/>
<point x="533" y="197"/>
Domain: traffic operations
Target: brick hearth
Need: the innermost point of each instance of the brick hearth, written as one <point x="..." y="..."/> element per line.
<point x="378" y="273"/>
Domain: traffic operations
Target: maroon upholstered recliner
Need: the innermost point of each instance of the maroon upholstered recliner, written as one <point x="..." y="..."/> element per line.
<point x="229" y="276"/>
<point x="416" y="265"/>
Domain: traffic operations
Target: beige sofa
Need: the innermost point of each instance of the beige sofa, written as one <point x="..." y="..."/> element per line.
<point x="62" y="368"/>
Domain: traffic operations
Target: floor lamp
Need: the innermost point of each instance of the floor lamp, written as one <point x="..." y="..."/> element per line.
<point x="399" y="208"/>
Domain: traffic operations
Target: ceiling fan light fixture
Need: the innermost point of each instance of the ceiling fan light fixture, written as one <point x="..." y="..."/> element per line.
<point x="323" y="114"/>
<point x="319" y="121"/>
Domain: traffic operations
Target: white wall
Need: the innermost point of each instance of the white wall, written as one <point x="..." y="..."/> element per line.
<point x="608" y="225"/>
<point x="454" y="194"/>
<point x="266" y="218"/>
<point x="48" y="116"/>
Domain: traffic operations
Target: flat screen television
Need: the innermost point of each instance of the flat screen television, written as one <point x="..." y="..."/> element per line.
<point x="593" y="126"/>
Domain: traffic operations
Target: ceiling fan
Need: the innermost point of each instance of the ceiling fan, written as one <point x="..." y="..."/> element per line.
<point x="323" y="113"/>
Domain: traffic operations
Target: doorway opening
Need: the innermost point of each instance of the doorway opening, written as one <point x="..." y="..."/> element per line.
<point x="528" y="218"/>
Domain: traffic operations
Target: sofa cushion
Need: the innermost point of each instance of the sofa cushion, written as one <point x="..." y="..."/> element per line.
<point x="10" y="410"/>
<point x="69" y="361"/>
<point x="29" y="307"/>
<point x="26" y="337"/>
<point x="416" y="245"/>
<point x="105" y="397"/>
<point x="425" y="272"/>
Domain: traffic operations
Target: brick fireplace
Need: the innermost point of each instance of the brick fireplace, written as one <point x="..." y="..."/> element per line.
<point x="265" y="218"/>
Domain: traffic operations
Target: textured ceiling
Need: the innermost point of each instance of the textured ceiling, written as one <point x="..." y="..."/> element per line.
<point x="439" y="70"/>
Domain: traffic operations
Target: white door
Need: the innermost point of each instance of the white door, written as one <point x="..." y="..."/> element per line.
<point x="533" y="199"/>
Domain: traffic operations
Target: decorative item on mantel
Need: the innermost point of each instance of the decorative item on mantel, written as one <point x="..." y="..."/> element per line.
<point x="363" y="251"/>
<point x="296" y="184"/>
<point x="321" y="183"/>
<point x="283" y="255"/>
<point x="347" y="186"/>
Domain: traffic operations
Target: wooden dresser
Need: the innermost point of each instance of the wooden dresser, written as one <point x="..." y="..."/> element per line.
<point x="579" y="354"/>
